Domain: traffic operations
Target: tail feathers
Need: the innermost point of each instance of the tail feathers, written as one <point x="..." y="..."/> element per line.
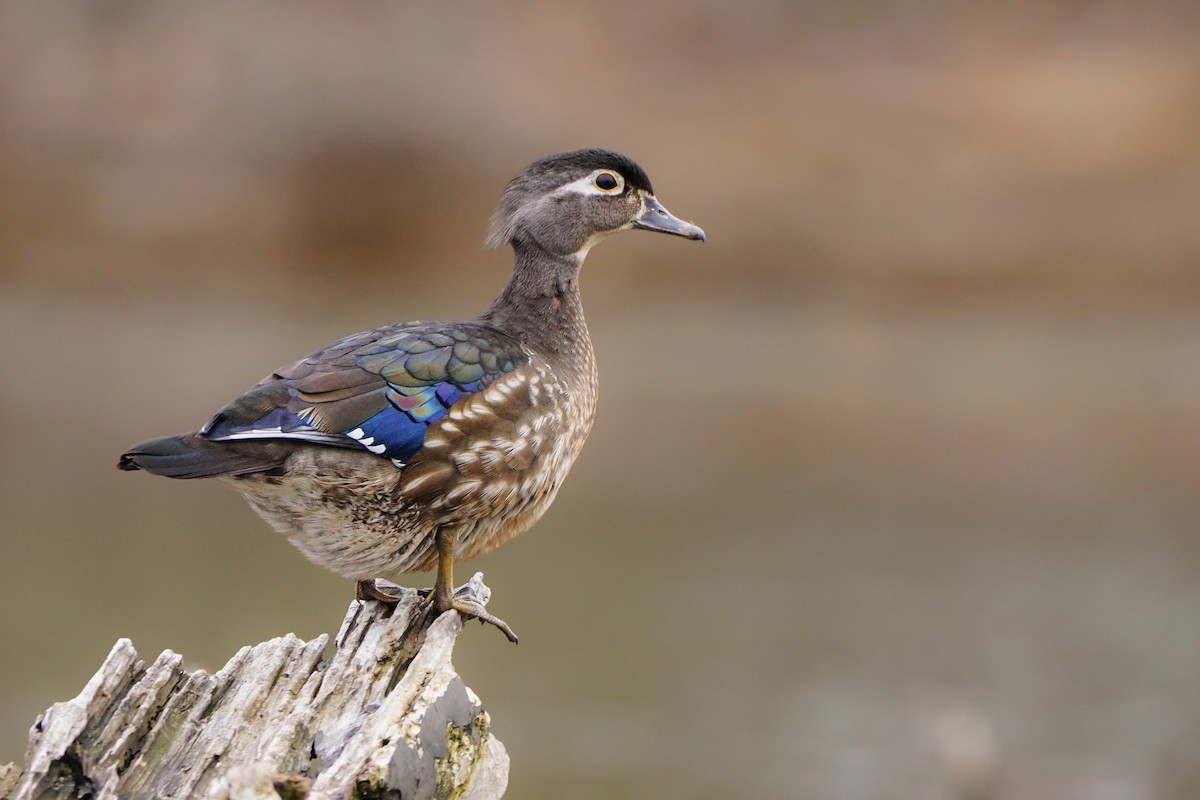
<point x="189" y="456"/>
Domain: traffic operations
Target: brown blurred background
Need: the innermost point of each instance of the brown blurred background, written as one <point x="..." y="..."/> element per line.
<point x="893" y="491"/>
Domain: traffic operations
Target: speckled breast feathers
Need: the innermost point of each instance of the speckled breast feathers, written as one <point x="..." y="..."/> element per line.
<point x="432" y="425"/>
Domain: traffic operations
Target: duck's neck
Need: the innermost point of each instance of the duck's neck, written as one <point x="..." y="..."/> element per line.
<point x="541" y="304"/>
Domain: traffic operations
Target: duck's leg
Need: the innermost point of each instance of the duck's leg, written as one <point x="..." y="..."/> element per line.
<point x="444" y="597"/>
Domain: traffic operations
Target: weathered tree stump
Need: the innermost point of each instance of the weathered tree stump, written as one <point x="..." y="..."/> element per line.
<point x="385" y="716"/>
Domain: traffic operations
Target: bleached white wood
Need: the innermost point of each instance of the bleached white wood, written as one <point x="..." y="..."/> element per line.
<point x="385" y="712"/>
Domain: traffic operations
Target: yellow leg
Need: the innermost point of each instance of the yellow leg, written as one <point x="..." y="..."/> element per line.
<point x="444" y="597"/>
<point x="443" y="583"/>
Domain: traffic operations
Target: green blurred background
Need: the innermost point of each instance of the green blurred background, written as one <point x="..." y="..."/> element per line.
<point x="893" y="490"/>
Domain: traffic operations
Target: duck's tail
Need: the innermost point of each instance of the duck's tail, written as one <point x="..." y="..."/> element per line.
<point x="189" y="456"/>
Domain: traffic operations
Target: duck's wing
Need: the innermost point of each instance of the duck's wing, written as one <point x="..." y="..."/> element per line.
<point x="377" y="391"/>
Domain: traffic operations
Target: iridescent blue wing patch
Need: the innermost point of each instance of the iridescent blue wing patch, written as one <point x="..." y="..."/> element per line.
<point x="378" y="390"/>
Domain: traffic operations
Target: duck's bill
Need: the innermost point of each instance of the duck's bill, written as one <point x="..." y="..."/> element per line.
<point x="657" y="218"/>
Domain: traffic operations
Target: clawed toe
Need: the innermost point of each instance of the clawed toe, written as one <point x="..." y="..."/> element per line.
<point x="379" y="590"/>
<point x="470" y="607"/>
<point x="469" y="601"/>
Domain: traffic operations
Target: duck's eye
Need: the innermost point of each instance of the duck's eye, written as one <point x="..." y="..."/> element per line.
<point x="606" y="182"/>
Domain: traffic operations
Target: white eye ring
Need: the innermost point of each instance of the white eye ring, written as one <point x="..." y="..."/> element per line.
<point x="588" y="185"/>
<point x="607" y="177"/>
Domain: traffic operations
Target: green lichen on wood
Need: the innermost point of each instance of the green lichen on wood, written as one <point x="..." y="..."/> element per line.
<point x="170" y="723"/>
<point x="367" y="789"/>
<point x="466" y="747"/>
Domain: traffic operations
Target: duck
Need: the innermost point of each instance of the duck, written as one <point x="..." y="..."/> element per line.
<point x="416" y="445"/>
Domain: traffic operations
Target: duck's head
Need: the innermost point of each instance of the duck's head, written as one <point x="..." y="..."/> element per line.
<point x="566" y="203"/>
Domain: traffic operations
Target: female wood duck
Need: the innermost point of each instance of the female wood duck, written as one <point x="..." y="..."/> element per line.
<point x="418" y="444"/>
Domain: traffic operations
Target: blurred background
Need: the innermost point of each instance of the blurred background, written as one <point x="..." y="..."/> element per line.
<point x="893" y="491"/>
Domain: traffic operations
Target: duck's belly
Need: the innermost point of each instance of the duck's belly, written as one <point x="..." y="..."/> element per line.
<point x="489" y="469"/>
<point x="351" y="513"/>
<point x="342" y="511"/>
